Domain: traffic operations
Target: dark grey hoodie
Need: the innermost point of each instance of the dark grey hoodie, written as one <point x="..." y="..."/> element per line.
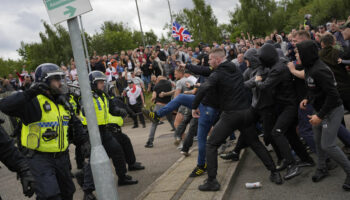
<point x="260" y="100"/>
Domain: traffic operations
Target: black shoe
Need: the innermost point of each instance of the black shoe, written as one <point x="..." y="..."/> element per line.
<point x="292" y="171"/>
<point x="232" y="155"/>
<point x="143" y="125"/>
<point x="282" y="166"/>
<point x="160" y="123"/>
<point x="346" y="185"/>
<point x="173" y="129"/>
<point x="135" y="126"/>
<point x="151" y="115"/>
<point x="136" y="166"/>
<point x="198" y="171"/>
<point x="89" y="196"/>
<point x="149" y="145"/>
<point x="309" y="163"/>
<point x="126" y="181"/>
<point x="275" y="177"/>
<point x="212" y="185"/>
<point x="319" y="175"/>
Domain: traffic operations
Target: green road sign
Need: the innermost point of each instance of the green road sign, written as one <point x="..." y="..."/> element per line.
<point x="61" y="10"/>
<point x="52" y="4"/>
<point x="71" y="10"/>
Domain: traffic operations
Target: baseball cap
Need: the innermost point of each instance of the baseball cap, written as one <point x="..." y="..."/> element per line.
<point x="130" y="81"/>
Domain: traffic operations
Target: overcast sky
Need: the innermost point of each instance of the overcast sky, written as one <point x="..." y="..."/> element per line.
<point x="20" y="20"/>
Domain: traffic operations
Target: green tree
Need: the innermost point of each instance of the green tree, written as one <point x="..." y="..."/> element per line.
<point x="200" y="22"/>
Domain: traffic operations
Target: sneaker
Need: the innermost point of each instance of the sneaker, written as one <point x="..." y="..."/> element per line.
<point x="177" y="141"/>
<point x="282" y="166"/>
<point x="292" y="171"/>
<point x="195" y="138"/>
<point x="309" y="163"/>
<point x="185" y="153"/>
<point x="149" y="145"/>
<point x="346" y="185"/>
<point x="160" y="123"/>
<point x="319" y="175"/>
<point x="151" y="115"/>
<point x="209" y="185"/>
<point x="232" y="155"/>
<point x="275" y="177"/>
<point x="181" y="145"/>
<point x="198" y="171"/>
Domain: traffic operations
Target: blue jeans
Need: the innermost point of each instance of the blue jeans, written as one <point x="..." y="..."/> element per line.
<point x="146" y="80"/>
<point x="181" y="99"/>
<point x="305" y="128"/>
<point x="344" y="135"/>
<point x="207" y="117"/>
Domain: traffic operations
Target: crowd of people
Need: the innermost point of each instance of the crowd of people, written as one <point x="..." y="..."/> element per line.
<point x="290" y="89"/>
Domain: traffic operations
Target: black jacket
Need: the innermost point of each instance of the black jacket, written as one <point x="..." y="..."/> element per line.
<point x="10" y="155"/>
<point x="227" y="81"/>
<point x="279" y="79"/>
<point x="322" y="91"/>
<point x="260" y="99"/>
<point x="28" y="109"/>
<point x="210" y="98"/>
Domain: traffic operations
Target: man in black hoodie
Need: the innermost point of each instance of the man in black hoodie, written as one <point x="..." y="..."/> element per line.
<point x="279" y="81"/>
<point x="261" y="104"/>
<point x="233" y="97"/>
<point x="324" y="97"/>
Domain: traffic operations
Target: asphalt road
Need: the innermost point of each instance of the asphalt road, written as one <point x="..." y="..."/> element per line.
<point x="156" y="160"/>
<point x="299" y="188"/>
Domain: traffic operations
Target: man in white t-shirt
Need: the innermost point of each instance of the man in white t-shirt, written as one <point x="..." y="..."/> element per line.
<point x="136" y="102"/>
<point x="111" y="72"/>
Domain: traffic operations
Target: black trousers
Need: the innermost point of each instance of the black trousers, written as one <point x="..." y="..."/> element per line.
<point x="228" y="122"/>
<point x="284" y="134"/>
<point x="52" y="175"/>
<point x="137" y="108"/>
<point x="126" y="145"/>
<point x="115" y="152"/>
<point x="192" y="131"/>
<point x="249" y="138"/>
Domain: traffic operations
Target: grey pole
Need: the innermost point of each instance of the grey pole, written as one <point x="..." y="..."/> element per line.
<point x="138" y="13"/>
<point x="101" y="168"/>
<point x="171" y="15"/>
<point x="84" y="42"/>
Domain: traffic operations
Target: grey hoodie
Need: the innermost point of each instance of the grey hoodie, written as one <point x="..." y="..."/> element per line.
<point x="259" y="100"/>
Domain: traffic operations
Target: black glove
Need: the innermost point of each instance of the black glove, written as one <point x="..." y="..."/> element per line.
<point x="38" y="88"/>
<point x="123" y="113"/>
<point x="28" y="182"/>
<point x="86" y="149"/>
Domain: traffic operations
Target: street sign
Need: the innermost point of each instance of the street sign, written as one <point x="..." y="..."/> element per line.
<point x="62" y="10"/>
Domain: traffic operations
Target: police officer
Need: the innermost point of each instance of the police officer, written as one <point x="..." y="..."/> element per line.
<point x="16" y="162"/>
<point x="114" y="126"/>
<point x="46" y="118"/>
<point x="103" y="112"/>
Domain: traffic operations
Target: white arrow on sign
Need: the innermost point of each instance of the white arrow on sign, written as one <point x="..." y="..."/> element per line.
<point x="62" y="10"/>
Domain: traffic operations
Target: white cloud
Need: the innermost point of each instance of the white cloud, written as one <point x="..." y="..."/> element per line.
<point x="21" y="20"/>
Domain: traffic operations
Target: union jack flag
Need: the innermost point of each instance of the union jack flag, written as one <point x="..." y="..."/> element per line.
<point x="180" y="33"/>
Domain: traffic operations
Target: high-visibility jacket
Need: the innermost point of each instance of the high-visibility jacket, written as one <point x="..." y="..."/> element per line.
<point x="54" y="119"/>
